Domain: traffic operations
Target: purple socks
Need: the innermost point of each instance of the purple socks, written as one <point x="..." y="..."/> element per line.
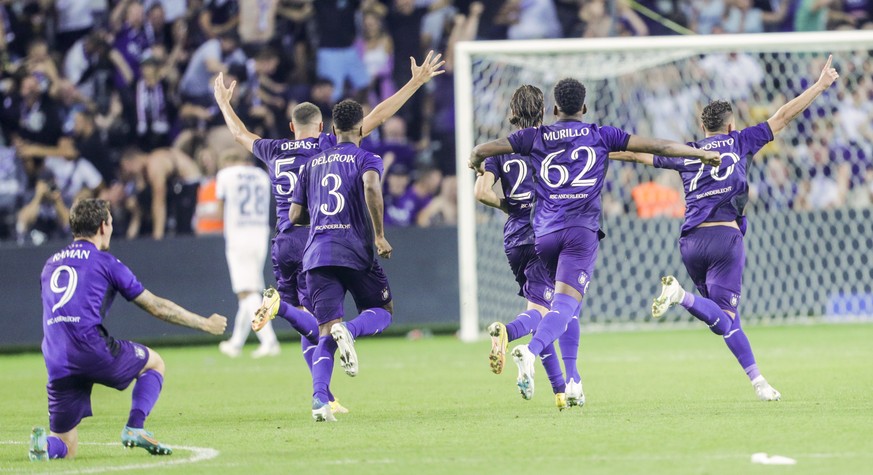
<point x="145" y="395"/>
<point x="554" y="324"/>
<point x="322" y="367"/>
<point x="301" y="320"/>
<point x="738" y="343"/>
<point x="308" y="351"/>
<point x="524" y="324"/>
<point x="553" y="369"/>
<point x="369" y="322"/>
<point x="57" y="449"/>
<point x="708" y="312"/>
<point x="569" y="342"/>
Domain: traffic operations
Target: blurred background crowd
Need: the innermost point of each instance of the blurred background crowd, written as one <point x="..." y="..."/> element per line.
<point x="114" y="99"/>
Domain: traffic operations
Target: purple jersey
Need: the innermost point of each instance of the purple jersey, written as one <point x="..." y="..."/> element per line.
<point x="518" y="188"/>
<point x="569" y="160"/>
<point x="332" y="189"/>
<point x="79" y="284"/>
<point x="284" y="159"/>
<point x="718" y="193"/>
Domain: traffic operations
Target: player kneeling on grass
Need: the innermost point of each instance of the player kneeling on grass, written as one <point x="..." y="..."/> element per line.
<point x="712" y="236"/>
<point x="79" y="284"/>
<point x="342" y="191"/>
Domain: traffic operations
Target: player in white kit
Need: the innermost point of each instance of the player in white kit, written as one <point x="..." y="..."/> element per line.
<point x="244" y="192"/>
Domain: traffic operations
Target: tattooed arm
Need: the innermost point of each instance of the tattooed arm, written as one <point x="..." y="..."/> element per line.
<point x="171" y="312"/>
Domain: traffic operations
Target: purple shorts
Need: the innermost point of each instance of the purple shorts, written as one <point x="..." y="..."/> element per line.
<point x="329" y="285"/>
<point x="115" y="365"/>
<point x="534" y="282"/>
<point x="714" y="257"/>
<point x="569" y="255"/>
<point x="287" y="255"/>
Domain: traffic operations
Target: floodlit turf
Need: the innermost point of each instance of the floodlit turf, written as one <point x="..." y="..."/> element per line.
<point x="658" y="402"/>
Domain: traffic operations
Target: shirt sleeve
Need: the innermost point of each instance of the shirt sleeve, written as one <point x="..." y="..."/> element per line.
<point x="221" y="185"/>
<point x="492" y="165"/>
<point x="299" y="196"/>
<point x="123" y="280"/>
<point x="372" y="162"/>
<point x="522" y="141"/>
<point x="754" y="138"/>
<point x="672" y="163"/>
<point x="615" y="139"/>
<point x="262" y="149"/>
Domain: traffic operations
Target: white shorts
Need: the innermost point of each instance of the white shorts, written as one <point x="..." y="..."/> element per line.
<point x="245" y="259"/>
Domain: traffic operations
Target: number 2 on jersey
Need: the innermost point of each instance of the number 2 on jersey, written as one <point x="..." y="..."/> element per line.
<point x="522" y="174"/>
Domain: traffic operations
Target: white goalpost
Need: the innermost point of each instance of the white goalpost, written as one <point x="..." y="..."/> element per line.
<point x="656" y="86"/>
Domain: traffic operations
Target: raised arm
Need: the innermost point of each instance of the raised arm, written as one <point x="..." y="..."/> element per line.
<point x="429" y="68"/>
<point x="669" y="148"/>
<point x="373" y="197"/>
<point x="222" y="96"/>
<point x="795" y="106"/>
<point x="485" y="193"/>
<point x="488" y="149"/>
<point x="644" y="158"/>
<point x="169" y="311"/>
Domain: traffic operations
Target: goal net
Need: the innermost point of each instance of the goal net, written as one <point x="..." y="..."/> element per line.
<point x="809" y="243"/>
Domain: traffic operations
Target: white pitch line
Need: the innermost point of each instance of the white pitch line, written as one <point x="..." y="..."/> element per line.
<point x="199" y="454"/>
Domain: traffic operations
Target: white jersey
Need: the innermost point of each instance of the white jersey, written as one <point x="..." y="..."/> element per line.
<point x="245" y="191"/>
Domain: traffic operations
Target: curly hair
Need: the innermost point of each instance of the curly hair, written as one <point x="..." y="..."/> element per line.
<point x="527" y="107"/>
<point x="346" y="115"/>
<point x="570" y="96"/>
<point x="716" y="115"/>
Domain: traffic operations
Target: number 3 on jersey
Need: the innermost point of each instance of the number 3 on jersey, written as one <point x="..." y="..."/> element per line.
<point x="340" y="199"/>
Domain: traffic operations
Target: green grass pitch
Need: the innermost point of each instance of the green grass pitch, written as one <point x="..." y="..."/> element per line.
<point x="666" y="402"/>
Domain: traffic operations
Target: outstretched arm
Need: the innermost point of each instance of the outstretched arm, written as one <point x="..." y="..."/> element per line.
<point x="669" y="148"/>
<point x="376" y="207"/>
<point x="429" y="68"/>
<point x="485" y="193"/>
<point x="644" y="158"/>
<point x="222" y="96"/>
<point x="789" y="111"/>
<point x="488" y="149"/>
<point x="169" y="311"/>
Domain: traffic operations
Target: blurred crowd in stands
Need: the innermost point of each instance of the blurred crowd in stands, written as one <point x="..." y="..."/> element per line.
<point x="113" y="98"/>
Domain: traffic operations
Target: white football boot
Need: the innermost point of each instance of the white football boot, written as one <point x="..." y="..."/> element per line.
<point x="346" y="347"/>
<point x="764" y="391"/>
<point x="525" y="361"/>
<point x="671" y="294"/>
<point x="575" y="396"/>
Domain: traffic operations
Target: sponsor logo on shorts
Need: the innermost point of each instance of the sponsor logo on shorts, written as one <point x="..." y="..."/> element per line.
<point x="140" y="352"/>
<point x="385" y="293"/>
<point x="735" y="299"/>
<point x="548" y="294"/>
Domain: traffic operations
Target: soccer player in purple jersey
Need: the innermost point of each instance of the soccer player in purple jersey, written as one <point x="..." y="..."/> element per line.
<point x="711" y="242"/>
<point x="78" y="285"/>
<point x="569" y="161"/>
<point x="284" y="159"/>
<point x="341" y="190"/>
<point x="527" y="107"/>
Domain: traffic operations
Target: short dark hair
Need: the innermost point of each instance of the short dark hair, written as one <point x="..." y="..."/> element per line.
<point x="716" y="115"/>
<point x="306" y="113"/>
<point x="346" y="115"/>
<point x="87" y="216"/>
<point x="527" y="106"/>
<point x="570" y="96"/>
